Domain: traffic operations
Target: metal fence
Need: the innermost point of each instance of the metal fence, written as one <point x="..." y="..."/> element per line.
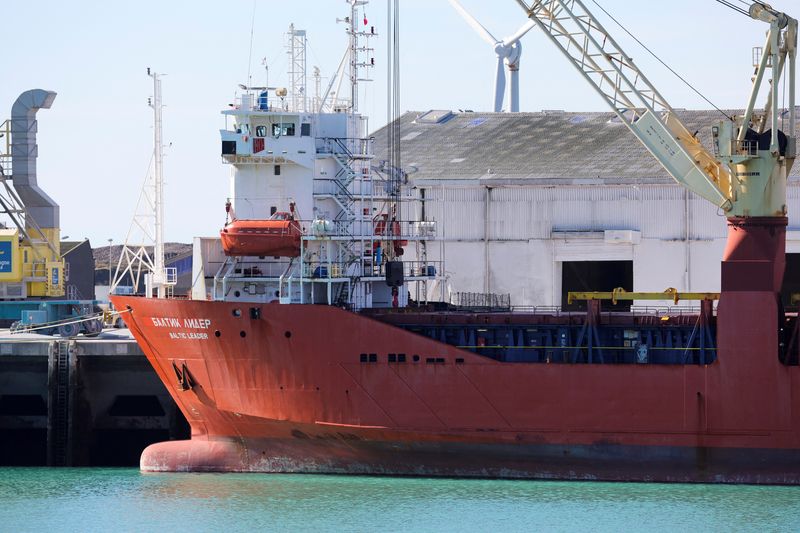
<point x="481" y="300"/>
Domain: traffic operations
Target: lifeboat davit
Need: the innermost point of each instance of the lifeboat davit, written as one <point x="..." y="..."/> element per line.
<point x="278" y="236"/>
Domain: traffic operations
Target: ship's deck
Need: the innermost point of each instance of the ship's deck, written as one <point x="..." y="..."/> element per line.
<point x="550" y="335"/>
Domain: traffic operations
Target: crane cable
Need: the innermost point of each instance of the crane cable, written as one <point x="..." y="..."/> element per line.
<point x="735" y="7"/>
<point x="393" y="108"/>
<point x="701" y="95"/>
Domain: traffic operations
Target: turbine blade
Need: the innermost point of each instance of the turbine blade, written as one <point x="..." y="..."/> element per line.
<point x="499" y="85"/>
<point x="525" y="28"/>
<point x="477" y="26"/>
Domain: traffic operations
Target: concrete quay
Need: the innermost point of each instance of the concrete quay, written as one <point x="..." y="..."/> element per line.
<point x="81" y="401"/>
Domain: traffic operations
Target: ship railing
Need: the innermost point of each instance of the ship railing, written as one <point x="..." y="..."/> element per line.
<point x="255" y="269"/>
<point x="256" y="207"/>
<point x="367" y="268"/>
<point x="641" y="311"/>
<point x="350" y="147"/>
<point x="266" y="101"/>
<point x="371" y="230"/>
<point x="368" y="189"/>
<point x="324" y="269"/>
<point x="365" y="228"/>
<point x="411" y="269"/>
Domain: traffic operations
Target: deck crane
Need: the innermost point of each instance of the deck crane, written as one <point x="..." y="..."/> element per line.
<point x="745" y="176"/>
<point x="741" y="177"/>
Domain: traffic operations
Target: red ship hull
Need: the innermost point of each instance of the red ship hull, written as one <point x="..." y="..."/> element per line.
<point x="285" y="390"/>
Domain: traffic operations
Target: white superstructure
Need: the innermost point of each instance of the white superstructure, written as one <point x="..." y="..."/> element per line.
<point x="316" y="169"/>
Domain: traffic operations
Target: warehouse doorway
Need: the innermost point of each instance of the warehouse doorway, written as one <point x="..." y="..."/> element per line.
<point x="588" y="276"/>
<point x="791" y="279"/>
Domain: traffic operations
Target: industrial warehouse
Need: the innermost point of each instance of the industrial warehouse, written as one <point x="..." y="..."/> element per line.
<point x="540" y="204"/>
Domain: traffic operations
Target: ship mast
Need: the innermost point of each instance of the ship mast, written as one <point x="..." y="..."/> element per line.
<point x="157" y="279"/>
<point x="147" y="226"/>
<point x="355" y="48"/>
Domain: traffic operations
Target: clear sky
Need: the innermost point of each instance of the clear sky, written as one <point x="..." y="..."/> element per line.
<point x="96" y="141"/>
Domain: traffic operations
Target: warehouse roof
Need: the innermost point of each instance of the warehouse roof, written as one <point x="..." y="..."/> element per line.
<point x="546" y="146"/>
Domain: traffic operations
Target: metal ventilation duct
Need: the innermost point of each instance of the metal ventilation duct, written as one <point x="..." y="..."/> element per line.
<point x="24" y="151"/>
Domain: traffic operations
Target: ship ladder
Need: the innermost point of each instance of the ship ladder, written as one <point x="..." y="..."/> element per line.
<point x="343" y="299"/>
<point x="59" y="426"/>
<point x="344" y="177"/>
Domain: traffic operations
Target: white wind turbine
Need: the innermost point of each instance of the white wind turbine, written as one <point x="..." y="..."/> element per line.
<point x="508" y="51"/>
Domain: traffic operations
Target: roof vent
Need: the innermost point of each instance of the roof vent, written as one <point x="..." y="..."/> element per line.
<point x="410" y="135"/>
<point x="435" y="116"/>
<point x="476" y="122"/>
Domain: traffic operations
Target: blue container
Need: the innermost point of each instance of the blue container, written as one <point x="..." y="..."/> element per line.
<point x="430" y="270"/>
<point x="321" y="272"/>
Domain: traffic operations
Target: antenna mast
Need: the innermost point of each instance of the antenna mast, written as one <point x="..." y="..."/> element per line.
<point x="317" y="87"/>
<point x="296" y="46"/>
<point x="355" y="57"/>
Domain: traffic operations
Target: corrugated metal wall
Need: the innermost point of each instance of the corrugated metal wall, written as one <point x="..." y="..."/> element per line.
<point x="459" y="211"/>
<point x="534" y="212"/>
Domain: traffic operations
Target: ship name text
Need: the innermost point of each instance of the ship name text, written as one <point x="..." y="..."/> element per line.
<point x="188" y="323"/>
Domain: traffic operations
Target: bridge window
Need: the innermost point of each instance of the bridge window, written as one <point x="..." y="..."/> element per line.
<point x="286" y="128"/>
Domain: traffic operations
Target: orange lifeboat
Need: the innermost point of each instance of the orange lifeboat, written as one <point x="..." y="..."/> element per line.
<point x="279" y="236"/>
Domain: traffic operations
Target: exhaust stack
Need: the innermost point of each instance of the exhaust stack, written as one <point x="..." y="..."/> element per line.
<point x="39" y="206"/>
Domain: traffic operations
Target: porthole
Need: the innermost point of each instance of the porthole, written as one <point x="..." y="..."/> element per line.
<point x="237" y="293"/>
<point x="237" y="312"/>
<point x="416" y="358"/>
<point x="217" y="333"/>
<point x="242" y="334"/>
<point x="288" y="334"/>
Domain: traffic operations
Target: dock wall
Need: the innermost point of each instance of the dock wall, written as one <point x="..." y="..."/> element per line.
<point x="81" y="402"/>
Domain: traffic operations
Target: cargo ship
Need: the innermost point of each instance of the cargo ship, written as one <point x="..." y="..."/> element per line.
<point x="318" y="338"/>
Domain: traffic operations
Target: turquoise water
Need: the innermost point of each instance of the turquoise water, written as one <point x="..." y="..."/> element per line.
<point x="102" y="499"/>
